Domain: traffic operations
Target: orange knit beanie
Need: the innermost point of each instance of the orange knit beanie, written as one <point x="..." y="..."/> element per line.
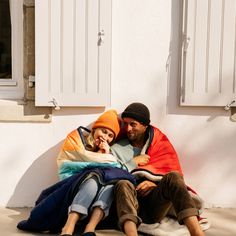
<point x="110" y="120"/>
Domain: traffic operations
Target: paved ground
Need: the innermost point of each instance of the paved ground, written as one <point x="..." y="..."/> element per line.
<point x="223" y="222"/>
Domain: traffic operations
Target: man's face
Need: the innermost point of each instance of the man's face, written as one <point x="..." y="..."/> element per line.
<point x="134" y="129"/>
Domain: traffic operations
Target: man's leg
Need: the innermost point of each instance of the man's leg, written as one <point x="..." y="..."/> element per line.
<point x="127" y="206"/>
<point x="130" y="228"/>
<point x="193" y="226"/>
<point x="171" y="190"/>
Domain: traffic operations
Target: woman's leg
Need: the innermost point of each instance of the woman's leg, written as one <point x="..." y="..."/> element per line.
<point x="81" y="203"/>
<point x="96" y="216"/>
<point x="100" y="207"/>
<point x="72" y="219"/>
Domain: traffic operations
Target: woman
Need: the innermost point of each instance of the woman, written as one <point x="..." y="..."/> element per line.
<point x="93" y="198"/>
<point x="82" y="150"/>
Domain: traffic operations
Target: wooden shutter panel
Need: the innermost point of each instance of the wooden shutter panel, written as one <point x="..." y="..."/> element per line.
<point x="208" y="53"/>
<point x="72" y="64"/>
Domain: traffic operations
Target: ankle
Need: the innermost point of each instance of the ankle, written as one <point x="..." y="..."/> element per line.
<point x="89" y="228"/>
<point x="130" y="228"/>
<point x="193" y="226"/>
<point x="198" y="233"/>
<point x="66" y="230"/>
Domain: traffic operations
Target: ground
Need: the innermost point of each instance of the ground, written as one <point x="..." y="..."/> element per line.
<point x="222" y="222"/>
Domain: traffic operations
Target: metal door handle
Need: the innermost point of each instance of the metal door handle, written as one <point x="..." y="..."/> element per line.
<point x="55" y="104"/>
<point x="227" y="107"/>
<point x="101" y="36"/>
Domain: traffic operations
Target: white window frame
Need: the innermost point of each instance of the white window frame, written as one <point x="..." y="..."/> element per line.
<point x="12" y="88"/>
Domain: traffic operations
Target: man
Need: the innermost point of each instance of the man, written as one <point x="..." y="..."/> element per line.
<point x="160" y="180"/>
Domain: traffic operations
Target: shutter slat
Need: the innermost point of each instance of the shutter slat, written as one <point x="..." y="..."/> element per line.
<point x="214" y="47"/>
<point x="228" y="47"/>
<point x="54" y="40"/>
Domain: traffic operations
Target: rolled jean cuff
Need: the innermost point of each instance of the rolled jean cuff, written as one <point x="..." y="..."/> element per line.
<point x="79" y="209"/>
<point x="103" y="206"/>
<point x="187" y="213"/>
<point x="129" y="217"/>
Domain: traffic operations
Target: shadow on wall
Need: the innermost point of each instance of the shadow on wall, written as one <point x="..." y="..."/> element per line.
<point x="40" y="175"/>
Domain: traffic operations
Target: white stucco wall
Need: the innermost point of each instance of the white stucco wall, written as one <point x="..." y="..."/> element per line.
<point x="144" y="32"/>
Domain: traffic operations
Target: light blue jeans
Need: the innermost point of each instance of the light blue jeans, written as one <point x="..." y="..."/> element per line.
<point x="92" y="194"/>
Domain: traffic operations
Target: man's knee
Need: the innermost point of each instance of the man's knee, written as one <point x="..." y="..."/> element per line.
<point x="122" y="185"/>
<point x="174" y="177"/>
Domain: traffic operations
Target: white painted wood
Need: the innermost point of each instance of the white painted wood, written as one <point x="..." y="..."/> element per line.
<point x="92" y="21"/>
<point x="228" y="57"/>
<point x="213" y="64"/>
<point x="77" y="69"/>
<point x="54" y="39"/>
<point x="104" y="49"/>
<point x="43" y="66"/>
<point x="200" y="46"/>
<point x="208" y="62"/>
<point x="80" y="47"/>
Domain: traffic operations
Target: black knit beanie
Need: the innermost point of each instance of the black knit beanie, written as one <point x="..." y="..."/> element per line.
<point x="137" y="111"/>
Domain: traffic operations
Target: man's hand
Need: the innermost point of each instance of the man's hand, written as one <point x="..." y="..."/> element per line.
<point x="145" y="187"/>
<point x="142" y="159"/>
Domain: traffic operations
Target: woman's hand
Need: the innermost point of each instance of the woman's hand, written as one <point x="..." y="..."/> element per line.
<point x="145" y="187"/>
<point x="142" y="159"/>
<point x="103" y="146"/>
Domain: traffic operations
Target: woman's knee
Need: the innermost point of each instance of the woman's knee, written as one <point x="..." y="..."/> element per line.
<point x="90" y="186"/>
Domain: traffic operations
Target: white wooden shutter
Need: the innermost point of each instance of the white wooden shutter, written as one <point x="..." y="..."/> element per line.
<point x="72" y="62"/>
<point x="208" y="53"/>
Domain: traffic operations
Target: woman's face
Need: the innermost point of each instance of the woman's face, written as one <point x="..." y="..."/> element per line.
<point x="104" y="135"/>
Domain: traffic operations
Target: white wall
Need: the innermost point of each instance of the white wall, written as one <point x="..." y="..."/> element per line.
<point x="144" y="33"/>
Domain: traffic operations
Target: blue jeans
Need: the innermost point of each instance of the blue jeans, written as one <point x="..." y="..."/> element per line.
<point x="92" y="194"/>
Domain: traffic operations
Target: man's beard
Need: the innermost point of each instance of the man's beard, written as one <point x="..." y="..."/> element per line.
<point x="131" y="137"/>
<point x="134" y="137"/>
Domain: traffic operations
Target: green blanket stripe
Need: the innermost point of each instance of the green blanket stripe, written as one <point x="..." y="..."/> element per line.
<point x="70" y="168"/>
